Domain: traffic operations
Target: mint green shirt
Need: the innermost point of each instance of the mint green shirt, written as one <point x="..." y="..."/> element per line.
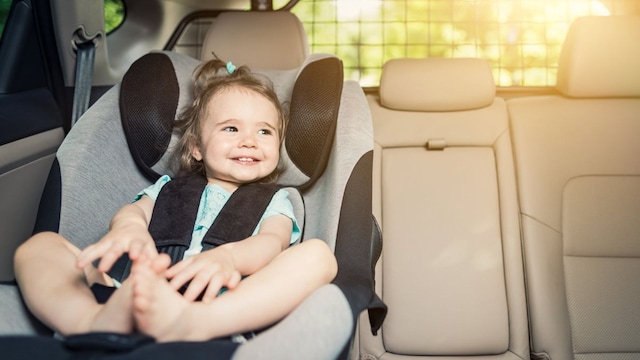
<point x="213" y="199"/>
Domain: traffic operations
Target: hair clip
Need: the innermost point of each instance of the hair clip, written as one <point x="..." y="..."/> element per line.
<point x="230" y="67"/>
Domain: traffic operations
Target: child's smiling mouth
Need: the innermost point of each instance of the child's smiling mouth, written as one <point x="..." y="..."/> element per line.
<point x="245" y="160"/>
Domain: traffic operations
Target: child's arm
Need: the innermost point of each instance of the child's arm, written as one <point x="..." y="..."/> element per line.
<point x="128" y="232"/>
<point x="224" y="265"/>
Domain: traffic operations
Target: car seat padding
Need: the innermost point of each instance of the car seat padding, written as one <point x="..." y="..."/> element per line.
<point x="313" y="123"/>
<point x="149" y="96"/>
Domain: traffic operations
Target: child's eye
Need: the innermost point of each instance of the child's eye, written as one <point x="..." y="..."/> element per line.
<point x="230" y="129"/>
<point x="265" y="132"/>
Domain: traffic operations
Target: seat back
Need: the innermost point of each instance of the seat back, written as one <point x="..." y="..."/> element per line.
<point x="445" y="196"/>
<point x="259" y="39"/>
<point x="579" y="183"/>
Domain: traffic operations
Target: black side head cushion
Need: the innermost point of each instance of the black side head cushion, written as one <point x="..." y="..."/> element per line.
<point x="149" y="96"/>
<point x="313" y="115"/>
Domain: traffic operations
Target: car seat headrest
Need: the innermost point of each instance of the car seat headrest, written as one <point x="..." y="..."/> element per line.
<point x="151" y="102"/>
<point x="258" y="39"/>
<point x="436" y="84"/>
<point x="599" y="58"/>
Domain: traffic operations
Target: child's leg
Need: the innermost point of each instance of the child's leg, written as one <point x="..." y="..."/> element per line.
<point x="58" y="293"/>
<point x="259" y="300"/>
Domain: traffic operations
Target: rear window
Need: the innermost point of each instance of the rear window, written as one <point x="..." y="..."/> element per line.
<point x="521" y="38"/>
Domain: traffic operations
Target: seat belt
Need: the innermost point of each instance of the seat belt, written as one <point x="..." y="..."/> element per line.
<point x="85" y="58"/>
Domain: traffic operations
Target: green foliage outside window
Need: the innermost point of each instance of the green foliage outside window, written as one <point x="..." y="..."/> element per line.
<point x="520" y="38"/>
<point x="113" y="14"/>
<point x="5" y="6"/>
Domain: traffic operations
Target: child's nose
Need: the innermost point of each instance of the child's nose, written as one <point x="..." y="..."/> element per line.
<point x="248" y="140"/>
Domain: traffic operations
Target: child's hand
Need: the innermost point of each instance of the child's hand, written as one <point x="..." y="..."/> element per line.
<point x="128" y="233"/>
<point x="133" y="240"/>
<point x="210" y="270"/>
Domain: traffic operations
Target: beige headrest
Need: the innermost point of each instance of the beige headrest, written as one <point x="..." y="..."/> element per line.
<point x="600" y="58"/>
<point x="260" y="39"/>
<point x="436" y="84"/>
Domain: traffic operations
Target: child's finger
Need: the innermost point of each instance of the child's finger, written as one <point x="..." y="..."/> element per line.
<point x="91" y="253"/>
<point x="160" y="263"/>
<point x="110" y="257"/>
<point x="151" y="251"/>
<point x="135" y="250"/>
<point x="142" y="245"/>
<point x="198" y="285"/>
<point x="178" y="267"/>
<point x="180" y="278"/>
<point x="234" y="280"/>
<point x="213" y="288"/>
<point x="140" y="248"/>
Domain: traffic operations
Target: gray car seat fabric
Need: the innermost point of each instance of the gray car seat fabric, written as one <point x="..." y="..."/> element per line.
<point x="99" y="175"/>
<point x="316" y="319"/>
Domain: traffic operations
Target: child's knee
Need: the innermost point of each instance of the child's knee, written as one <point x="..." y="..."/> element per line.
<point x="36" y="244"/>
<point x="316" y="247"/>
<point x="320" y="253"/>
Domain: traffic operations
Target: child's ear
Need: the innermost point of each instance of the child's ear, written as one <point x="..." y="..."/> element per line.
<point x="195" y="152"/>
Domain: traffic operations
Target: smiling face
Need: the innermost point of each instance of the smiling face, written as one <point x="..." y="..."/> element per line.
<point x="240" y="140"/>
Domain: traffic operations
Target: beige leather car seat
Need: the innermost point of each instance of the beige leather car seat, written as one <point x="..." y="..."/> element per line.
<point x="451" y="269"/>
<point x="578" y="167"/>
<point x="260" y="39"/>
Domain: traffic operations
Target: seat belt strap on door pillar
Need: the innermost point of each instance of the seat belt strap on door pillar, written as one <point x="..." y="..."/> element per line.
<point x="85" y="57"/>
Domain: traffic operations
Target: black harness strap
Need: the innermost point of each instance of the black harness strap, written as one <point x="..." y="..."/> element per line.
<point x="240" y="215"/>
<point x="174" y="215"/>
<point x="175" y="211"/>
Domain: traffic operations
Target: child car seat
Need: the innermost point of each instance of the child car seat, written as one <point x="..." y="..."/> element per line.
<point x="328" y="158"/>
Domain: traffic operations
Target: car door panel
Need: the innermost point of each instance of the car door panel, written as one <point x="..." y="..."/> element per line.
<point x="24" y="166"/>
<point x="31" y="123"/>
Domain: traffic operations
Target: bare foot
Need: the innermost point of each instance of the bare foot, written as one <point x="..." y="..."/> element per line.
<point x="158" y="309"/>
<point x="116" y="315"/>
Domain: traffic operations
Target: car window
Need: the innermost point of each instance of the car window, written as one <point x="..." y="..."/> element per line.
<point x="521" y="39"/>
<point x="5" y="6"/>
<point x="113" y="14"/>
